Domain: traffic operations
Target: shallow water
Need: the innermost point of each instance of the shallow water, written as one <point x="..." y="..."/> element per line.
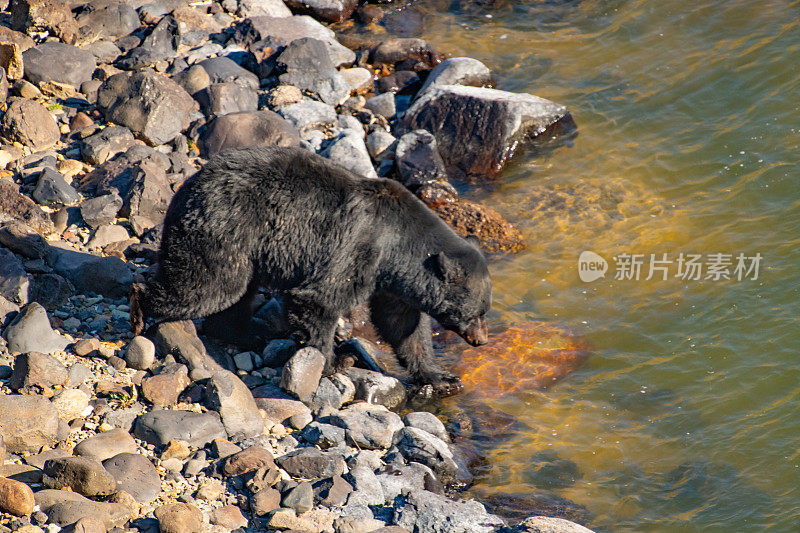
<point x="685" y="417"/>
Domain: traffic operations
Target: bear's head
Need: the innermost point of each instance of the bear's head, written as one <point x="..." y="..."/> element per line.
<point x="466" y="293"/>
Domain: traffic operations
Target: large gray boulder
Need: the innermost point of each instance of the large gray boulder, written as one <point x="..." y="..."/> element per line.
<point x="153" y="106"/>
<point x="425" y="511"/>
<point x="250" y="128"/>
<point x="478" y="129"/>
<point x="58" y="62"/>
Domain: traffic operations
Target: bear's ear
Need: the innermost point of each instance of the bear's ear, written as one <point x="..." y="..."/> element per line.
<point x="447" y="269"/>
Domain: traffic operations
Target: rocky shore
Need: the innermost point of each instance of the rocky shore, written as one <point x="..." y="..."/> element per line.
<point x="108" y="106"/>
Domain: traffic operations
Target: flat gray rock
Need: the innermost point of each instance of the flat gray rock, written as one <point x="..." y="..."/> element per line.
<point x="53" y="61"/>
<point x="426" y="511"/>
<point x="196" y="429"/>
<point x="134" y="474"/>
<point x="349" y="151"/>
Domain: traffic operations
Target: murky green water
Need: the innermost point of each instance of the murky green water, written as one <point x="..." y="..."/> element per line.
<point x="685" y="418"/>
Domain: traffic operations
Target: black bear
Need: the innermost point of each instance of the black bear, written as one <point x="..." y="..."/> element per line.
<point x="326" y="240"/>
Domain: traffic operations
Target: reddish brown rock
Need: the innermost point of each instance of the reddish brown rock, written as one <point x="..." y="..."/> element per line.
<point x="529" y="356"/>
<point x="494" y="232"/>
<point x="248" y="460"/>
<point x="163" y="390"/>
<point x="15" y="497"/>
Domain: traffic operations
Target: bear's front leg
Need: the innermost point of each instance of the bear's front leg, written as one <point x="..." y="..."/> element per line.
<point x="312" y="324"/>
<point x="408" y="332"/>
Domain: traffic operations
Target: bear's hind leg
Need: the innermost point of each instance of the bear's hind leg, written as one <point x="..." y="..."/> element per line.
<point x="408" y="332"/>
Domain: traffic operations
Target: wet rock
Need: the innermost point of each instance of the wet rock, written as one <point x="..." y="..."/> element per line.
<point x="102" y="209"/>
<point x="418" y="159"/>
<point x="308" y="114"/>
<point x="28" y="122"/>
<point x="265" y="501"/>
<point x="16" y="206"/>
<point x="477" y="129"/>
<point x="106" y="21"/>
<point x="14" y="283"/>
<point x="368" y="426"/>
<point x="225" y="70"/>
<point x="376" y="388"/>
<point x="402" y="49"/>
<point x="196" y="429"/>
<point x="349" y="151"/>
<point x="58" y="62"/>
<point x="247" y="460"/>
<point x="325" y="10"/>
<point x="224" y="98"/>
<point x="161" y="44"/>
<point x="548" y="524"/>
<point x="359" y="79"/>
<point x="426" y="511"/>
<point x="323" y="435"/>
<point x="302" y="373"/>
<point x="141" y="353"/>
<point x="31" y="332"/>
<point x="260" y="32"/>
<point x="66" y="508"/>
<point x="422" y="447"/>
<point x="427" y="422"/>
<point x="15" y="498"/>
<point x="458" y="71"/>
<point x="311" y="463"/>
<point x="151" y="105"/>
<point x="162" y="390"/>
<point x="109" y="276"/>
<point x="53" y="190"/>
<point x="226" y="394"/>
<point x="179" y="517"/>
<point x="180" y="340"/>
<point x="27" y="423"/>
<point x="229" y="517"/>
<point x="493" y="231"/>
<point x="23" y="240"/>
<point x="81" y="474"/>
<point x="71" y="404"/>
<point x="102" y="146"/>
<point x="134" y="474"/>
<point x="383" y="105"/>
<point x="106" y="445"/>
<point x="271" y="8"/>
<point x="306" y="64"/>
<point x="300" y="498"/>
<point x="278" y="406"/>
<point x="254" y="128"/>
<point x="380" y="144"/>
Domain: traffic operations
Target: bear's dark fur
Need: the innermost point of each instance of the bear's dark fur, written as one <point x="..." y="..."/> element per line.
<point x="293" y="222"/>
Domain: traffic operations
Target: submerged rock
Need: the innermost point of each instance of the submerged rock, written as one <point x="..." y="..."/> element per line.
<point x="479" y="129"/>
<point x="494" y="232"/>
<point x="325" y="10"/>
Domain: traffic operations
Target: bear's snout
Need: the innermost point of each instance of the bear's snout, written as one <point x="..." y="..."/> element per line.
<point x="477" y="333"/>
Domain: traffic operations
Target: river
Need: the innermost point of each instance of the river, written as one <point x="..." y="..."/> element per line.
<point x="685" y="416"/>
